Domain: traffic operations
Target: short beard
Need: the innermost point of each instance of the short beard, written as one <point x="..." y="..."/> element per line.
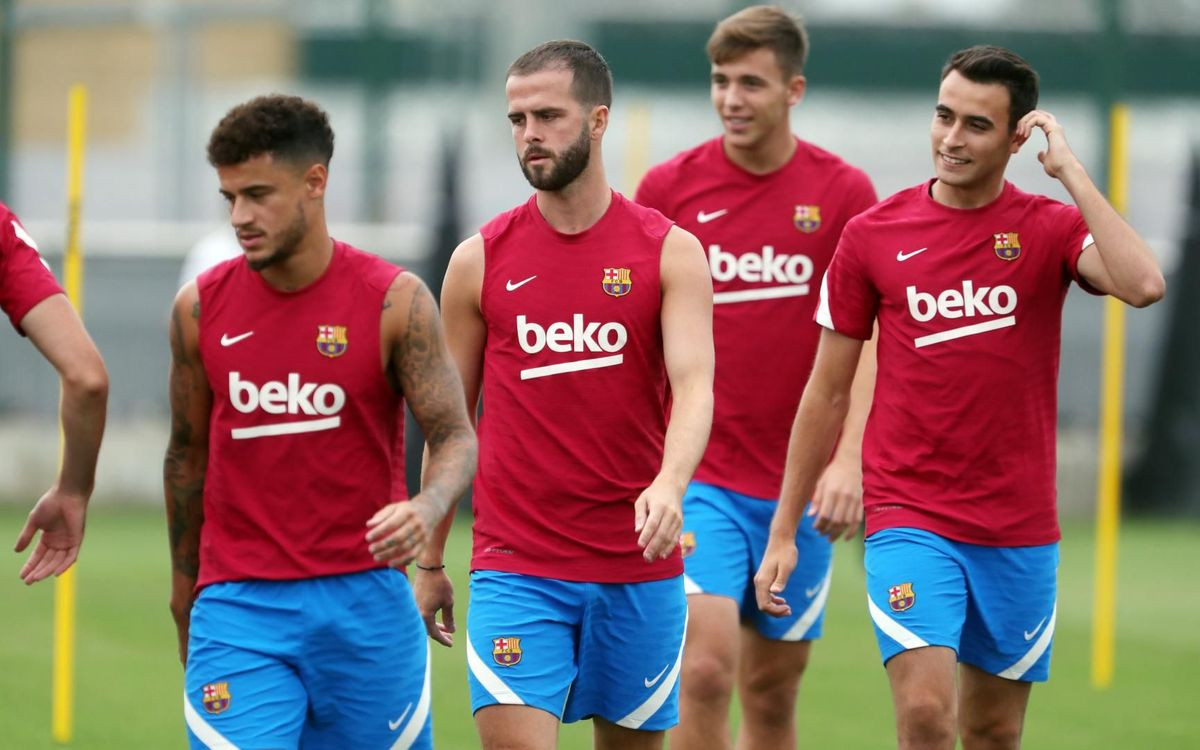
<point x="289" y="239"/>
<point x="567" y="167"/>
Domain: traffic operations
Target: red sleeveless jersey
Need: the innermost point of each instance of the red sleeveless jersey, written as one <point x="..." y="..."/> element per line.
<point x="574" y="395"/>
<point x="306" y="434"/>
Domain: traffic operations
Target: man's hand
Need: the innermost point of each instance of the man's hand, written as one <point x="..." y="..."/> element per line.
<point x="60" y="517"/>
<point x="398" y="531"/>
<point x="778" y="563"/>
<point x="183" y="594"/>
<point x="837" y="500"/>
<point x="658" y="519"/>
<point x="1058" y="155"/>
<point x="433" y="591"/>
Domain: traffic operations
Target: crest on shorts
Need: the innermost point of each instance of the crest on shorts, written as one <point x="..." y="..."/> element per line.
<point x="331" y="340"/>
<point x="506" y="651"/>
<point x="807" y="218"/>
<point x="616" y="282"/>
<point x="1008" y="245"/>
<point x="216" y="697"/>
<point x="901" y="597"/>
<point x="687" y="543"/>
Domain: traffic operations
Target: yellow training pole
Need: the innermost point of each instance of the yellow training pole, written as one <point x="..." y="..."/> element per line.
<point x="637" y="151"/>
<point x="62" y="703"/>
<point x="1108" y="501"/>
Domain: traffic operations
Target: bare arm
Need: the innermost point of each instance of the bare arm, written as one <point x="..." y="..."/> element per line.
<point x="466" y="334"/>
<point x="837" y="499"/>
<point x="688" y="354"/>
<point x="1119" y="262"/>
<point x="59" y="335"/>
<point x="422" y="370"/>
<point x="187" y="456"/>
<point x="822" y="411"/>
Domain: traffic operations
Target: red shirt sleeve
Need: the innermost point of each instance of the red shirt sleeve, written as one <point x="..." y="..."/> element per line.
<point x="25" y="278"/>
<point x="849" y="299"/>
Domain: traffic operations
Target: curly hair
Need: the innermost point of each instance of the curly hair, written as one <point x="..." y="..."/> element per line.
<point x="287" y="127"/>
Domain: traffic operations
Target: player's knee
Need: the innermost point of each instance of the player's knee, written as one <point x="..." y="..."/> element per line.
<point x="925" y="721"/>
<point x="992" y="733"/>
<point x="706" y="678"/>
<point x="769" y="694"/>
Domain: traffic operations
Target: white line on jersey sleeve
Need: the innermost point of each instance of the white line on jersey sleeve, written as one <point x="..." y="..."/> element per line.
<point x="824" y="319"/>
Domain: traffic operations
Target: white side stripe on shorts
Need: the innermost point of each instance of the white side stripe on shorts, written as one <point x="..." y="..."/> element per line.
<point x="204" y="732"/>
<point x="490" y="681"/>
<point x="893" y="629"/>
<point x="1018" y="670"/>
<point x="638" y="716"/>
<point x="800" y="628"/>
<point x="416" y="722"/>
<point x="690" y="586"/>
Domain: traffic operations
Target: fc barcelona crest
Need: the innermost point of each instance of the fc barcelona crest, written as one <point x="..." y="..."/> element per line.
<point x="506" y="651"/>
<point x="331" y="340"/>
<point x="216" y="697"/>
<point x="1008" y="245"/>
<point x="901" y="597"/>
<point x="807" y="218"/>
<point x="687" y="543"/>
<point x="617" y="282"/>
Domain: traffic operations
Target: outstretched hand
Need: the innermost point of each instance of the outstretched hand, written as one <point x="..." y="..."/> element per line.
<point x="1058" y="155"/>
<point x="60" y="516"/>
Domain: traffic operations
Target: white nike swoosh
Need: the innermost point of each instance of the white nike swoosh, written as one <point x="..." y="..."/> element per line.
<point x="1029" y="634"/>
<point x="704" y="218"/>
<point x="227" y="340"/>
<point x="810" y="593"/>
<point x="657" y="677"/>
<point x="903" y="256"/>
<point x="394" y="725"/>
<point x="510" y="286"/>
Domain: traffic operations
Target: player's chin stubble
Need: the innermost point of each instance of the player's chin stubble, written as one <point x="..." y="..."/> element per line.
<point x="289" y="240"/>
<point x="566" y="168"/>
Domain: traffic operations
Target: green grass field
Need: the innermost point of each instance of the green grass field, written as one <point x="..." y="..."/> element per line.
<point x="128" y="689"/>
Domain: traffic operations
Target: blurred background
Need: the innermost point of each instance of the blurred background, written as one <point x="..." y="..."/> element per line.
<point x="414" y="89"/>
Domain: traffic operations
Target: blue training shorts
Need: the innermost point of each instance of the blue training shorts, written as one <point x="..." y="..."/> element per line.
<point x="724" y="538"/>
<point x="331" y="662"/>
<point x="576" y="649"/>
<point x="995" y="606"/>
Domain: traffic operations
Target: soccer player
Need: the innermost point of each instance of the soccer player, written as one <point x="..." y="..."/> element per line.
<point x="37" y="308"/>
<point x="284" y="477"/>
<point x="578" y="313"/>
<point x="966" y="276"/>
<point x="769" y="208"/>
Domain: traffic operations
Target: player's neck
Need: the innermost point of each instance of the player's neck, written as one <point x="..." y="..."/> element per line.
<point x="580" y="205"/>
<point x="967" y="196"/>
<point x="769" y="154"/>
<point x="304" y="266"/>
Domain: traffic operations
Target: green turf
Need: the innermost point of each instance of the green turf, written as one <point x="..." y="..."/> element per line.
<point x="128" y="690"/>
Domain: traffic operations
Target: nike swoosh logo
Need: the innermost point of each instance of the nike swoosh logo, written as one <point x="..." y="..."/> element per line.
<point x="704" y="218"/>
<point x="657" y="677"/>
<point x="903" y="256"/>
<point x="394" y="725"/>
<point x="1029" y="634"/>
<point x="810" y="593"/>
<point x="510" y="286"/>
<point x="227" y="340"/>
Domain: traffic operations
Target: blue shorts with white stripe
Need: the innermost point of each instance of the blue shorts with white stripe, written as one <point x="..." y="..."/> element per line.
<point x="995" y="606"/>
<point x="577" y="649"/>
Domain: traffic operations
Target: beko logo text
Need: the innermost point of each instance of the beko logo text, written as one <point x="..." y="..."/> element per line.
<point x="968" y="301"/>
<point x="292" y="397"/>
<point x="577" y="336"/>
<point x="789" y="273"/>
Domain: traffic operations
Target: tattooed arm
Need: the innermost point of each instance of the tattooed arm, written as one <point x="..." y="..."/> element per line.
<point x="420" y="367"/>
<point x="187" y="456"/>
